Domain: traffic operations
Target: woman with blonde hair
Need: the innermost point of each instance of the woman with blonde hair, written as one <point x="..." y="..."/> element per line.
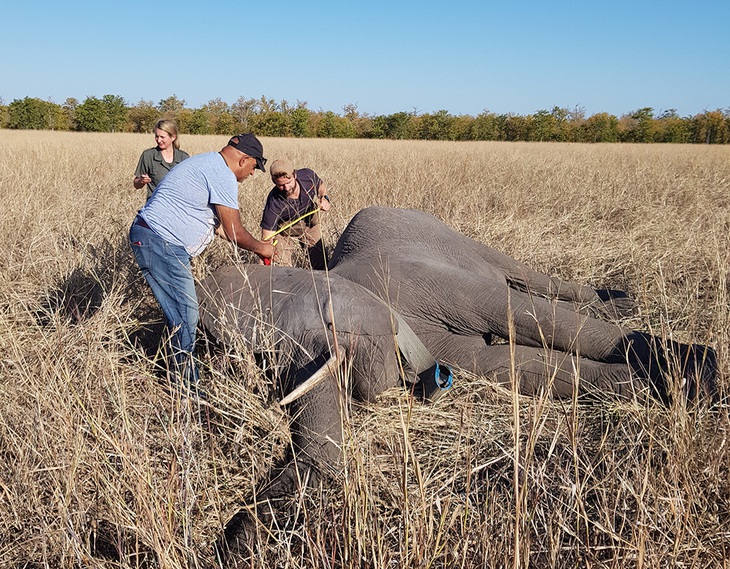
<point x="156" y="162"/>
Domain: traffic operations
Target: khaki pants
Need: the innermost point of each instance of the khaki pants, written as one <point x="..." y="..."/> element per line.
<point x="302" y="236"/>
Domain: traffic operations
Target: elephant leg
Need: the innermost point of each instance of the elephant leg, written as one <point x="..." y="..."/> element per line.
<point x="374" y="366"/>
<point x="540" y="323"/>
<point x="316" y="431"/>
<point x="539" y="369"/>
<point x="535" y="321"/>
<point x="605" y="302"/>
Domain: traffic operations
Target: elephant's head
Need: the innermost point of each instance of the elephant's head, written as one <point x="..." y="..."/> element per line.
<point x="304" y="318"/>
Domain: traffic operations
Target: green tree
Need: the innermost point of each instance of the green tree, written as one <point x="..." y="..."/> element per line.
<point x="513" y="127"/>
<point x="243" y="112"/>
<point x="108" y="114"/>
<point x="436" y="126"/>
<point x="200" y="123"/>
<point x="269" y="119"/>
<point x="183" y="118"/>
<point x="171" y="107"/>
<point x="568" y="123"/>
<point x="601" y="127"/>
<point x="271" y="123"/>
<point x="639" y="126"/>
<point x="460" y="127"/>
<point x="143" y="116"/>
<point x="115" y="109"/>
<point x="710" y="127"/>
<point x="299" y="118"/>
<point x="90" y="115"/>
<point x="484" y="127"/>
<point x="219" y="116"/>
<point x="327" y="127"/>
<point x="363" y="126"/>
<point x="380" y="127"/>
<point x="672" y="128"/>
<point x="400" y="126"/>
<point x="543" y="126"/>
<point x="69" y="108"/>
<point x="35" y="114"/>
<point x="341" y="127"/>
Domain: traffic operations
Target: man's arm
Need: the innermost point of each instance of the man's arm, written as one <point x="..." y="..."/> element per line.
<point x="324" y="200"/>
<point x="235" y="232"/>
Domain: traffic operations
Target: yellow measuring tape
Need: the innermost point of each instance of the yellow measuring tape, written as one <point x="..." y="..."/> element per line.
<point x="288" y="225"/>
<point x="284" y="228"/>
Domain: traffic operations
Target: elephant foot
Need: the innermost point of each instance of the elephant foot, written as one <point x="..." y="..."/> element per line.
<point x="615" y="304"/>
<point x="693" y="365"/>
<point x="237" y="546"/>
<point x="698" y="368"/>
<point x="284" y="487"/>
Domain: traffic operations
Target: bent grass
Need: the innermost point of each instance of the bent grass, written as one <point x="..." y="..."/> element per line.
<point x="102" y="465"/>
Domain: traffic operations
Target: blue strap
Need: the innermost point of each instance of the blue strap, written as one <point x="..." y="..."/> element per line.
<point x="440" y="382"/>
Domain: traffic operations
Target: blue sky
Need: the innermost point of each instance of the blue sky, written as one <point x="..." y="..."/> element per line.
<point x="383" y="56"/>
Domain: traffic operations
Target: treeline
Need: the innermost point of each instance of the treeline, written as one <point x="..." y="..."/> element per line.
<point x="266" y="117"/>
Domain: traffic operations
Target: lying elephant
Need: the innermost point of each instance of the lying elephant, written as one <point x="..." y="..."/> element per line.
<point x="458" y="294"/>
<point x="394" y="270"/>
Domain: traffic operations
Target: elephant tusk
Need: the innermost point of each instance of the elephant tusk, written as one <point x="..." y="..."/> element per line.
<point x="314" y="380"/>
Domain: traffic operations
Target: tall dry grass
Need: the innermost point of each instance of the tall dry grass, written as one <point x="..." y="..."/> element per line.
<point x="101" y="465"/>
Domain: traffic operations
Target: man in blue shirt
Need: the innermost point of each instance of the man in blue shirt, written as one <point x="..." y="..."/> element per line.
<point x="195" y="199"/>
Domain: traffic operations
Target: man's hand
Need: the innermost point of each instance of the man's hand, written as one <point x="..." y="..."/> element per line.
<point x="234" y="231"/>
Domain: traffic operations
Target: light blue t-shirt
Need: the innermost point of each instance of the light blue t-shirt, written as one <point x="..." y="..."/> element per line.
<point x="181" y="208"/>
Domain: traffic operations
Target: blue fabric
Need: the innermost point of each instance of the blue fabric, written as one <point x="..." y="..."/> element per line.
<point x="166" y="268"/>
<point x="181" y="208"/>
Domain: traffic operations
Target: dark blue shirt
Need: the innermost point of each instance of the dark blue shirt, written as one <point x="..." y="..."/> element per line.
<point x="279" y="209"/>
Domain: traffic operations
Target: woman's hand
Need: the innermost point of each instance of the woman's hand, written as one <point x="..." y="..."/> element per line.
<point x="140" y="181"/>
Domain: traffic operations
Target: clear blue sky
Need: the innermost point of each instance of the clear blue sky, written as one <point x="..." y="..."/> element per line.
<point x="385" y="56"/>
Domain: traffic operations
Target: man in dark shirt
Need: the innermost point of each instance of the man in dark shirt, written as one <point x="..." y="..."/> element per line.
<point x="294" y="205"/>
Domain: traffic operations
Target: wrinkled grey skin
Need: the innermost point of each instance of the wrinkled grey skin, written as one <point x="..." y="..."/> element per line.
<point x="294" y="315"/>
<point x="458" y="295"/>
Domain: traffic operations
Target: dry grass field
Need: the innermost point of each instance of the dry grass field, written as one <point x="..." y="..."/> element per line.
<point x="102" y="466"/>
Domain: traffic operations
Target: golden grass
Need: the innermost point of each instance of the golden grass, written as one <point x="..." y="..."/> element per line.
<point x="100" y="466"/>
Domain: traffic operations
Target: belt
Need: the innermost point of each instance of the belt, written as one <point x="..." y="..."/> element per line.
<point x="141" y="222"/>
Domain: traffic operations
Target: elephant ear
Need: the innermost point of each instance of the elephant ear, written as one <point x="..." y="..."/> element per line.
<point x="352" y="309"/>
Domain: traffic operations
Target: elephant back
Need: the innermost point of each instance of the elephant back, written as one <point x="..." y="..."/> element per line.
<point x="379" y="234"/>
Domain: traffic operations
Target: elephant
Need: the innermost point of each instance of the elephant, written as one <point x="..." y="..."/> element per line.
<point x="402" y="277"/>
<point x="458" y="295"/>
